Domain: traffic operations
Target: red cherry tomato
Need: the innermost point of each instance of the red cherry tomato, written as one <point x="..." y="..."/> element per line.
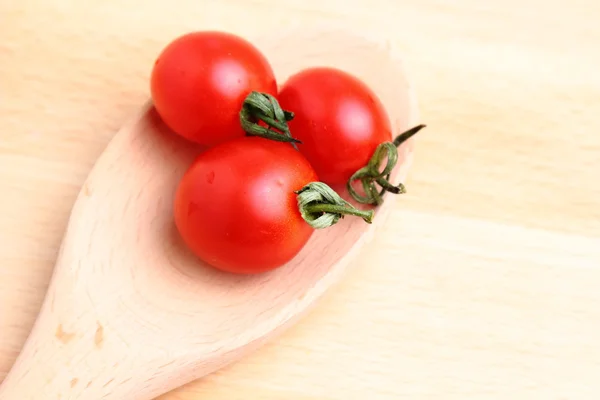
<point x="236" y="209"/>
<point x="338" y="118"/>
<point x="200" y="80"/>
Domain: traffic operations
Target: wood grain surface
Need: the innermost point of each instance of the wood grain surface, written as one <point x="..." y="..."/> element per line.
<point x="483" y="284"/>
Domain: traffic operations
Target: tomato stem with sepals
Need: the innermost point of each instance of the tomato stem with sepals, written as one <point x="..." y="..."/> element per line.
<point x="371" y="174"/>
<point x="322" y="207"/>
<point x="330" y="208"/>
<point x="264" y="107"/>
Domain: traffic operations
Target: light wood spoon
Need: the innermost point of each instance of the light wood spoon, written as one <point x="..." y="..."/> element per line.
<point x="129" y="313"/>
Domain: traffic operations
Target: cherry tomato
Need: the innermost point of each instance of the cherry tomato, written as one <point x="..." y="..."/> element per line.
<point x="236" y="209"/>
<point x="338" y="118"/>
<point x="200" y="80"/>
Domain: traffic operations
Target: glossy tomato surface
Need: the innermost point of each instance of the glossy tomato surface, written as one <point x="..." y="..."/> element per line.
<point x="200" y="80"/>
<point x="338" y="118"/>
<point x="236" y="209"/>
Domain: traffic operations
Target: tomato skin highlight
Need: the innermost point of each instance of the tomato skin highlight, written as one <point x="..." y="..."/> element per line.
<point x="236" y="209"/>
<point x="200" y="80"/>
<point x="338" y="118"/>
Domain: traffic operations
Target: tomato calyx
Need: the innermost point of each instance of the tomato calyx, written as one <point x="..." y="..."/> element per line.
<point x="321" y="207"/>
<point x="370" y="175"/>
<point x="264" y="107"/>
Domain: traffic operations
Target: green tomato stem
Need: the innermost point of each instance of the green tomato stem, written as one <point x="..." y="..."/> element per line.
<point x="370" y="175"/>
<point x="264" y="107"/>
<point x="403" y="137"/>
<point x="330" y="208"/>
<point x="321" y="207"/>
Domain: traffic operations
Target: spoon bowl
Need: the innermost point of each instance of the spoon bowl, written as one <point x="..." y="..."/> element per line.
<point x="130" y="313"/>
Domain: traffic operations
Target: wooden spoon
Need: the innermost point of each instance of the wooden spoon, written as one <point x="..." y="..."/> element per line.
<point x="129" y="313"/>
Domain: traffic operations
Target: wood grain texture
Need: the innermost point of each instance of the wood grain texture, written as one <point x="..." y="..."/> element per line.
<point x="483" y="284"/>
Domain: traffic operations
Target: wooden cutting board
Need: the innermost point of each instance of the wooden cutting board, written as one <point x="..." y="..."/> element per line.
<point x="484" y="283"/>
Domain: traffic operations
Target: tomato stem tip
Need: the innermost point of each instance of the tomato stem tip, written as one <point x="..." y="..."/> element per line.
<point x="403" y="137"/>
<point x="321" y="207"/>
<point x="370" y="175"/>
<point x="265" y="107"/>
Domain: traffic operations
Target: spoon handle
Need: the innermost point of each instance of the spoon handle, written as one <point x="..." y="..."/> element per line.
<point x="62" y="360"/>
<point x="69" y="355"/>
